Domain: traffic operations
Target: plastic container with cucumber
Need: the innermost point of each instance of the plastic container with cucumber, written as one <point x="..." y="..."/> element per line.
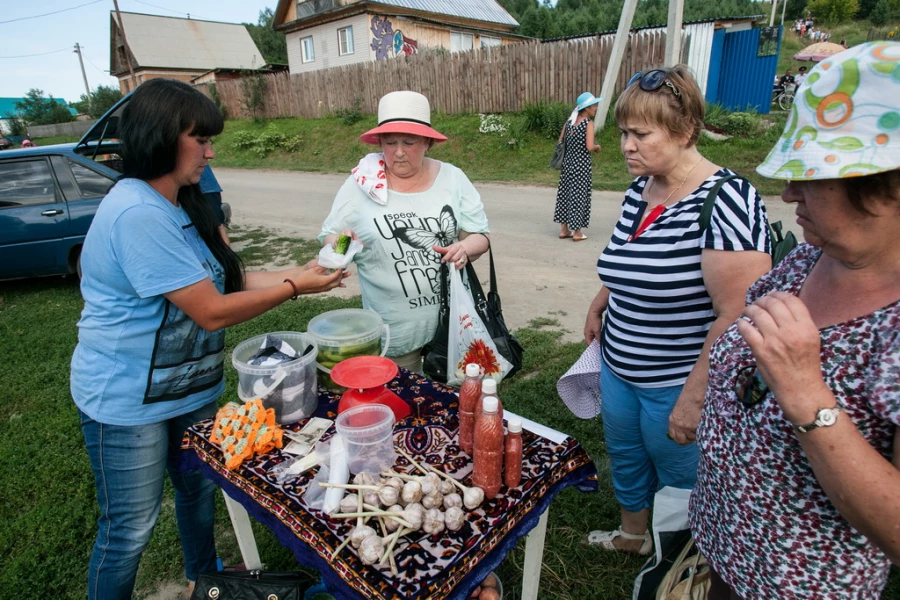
<point x="345" y="333"/>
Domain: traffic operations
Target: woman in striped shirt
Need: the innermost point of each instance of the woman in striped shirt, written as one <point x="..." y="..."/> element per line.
<point x="669" y="289"/>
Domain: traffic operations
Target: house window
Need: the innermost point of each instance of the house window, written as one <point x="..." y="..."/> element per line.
<point x="488" y="41"/>
<point x="460" y="42"/>
<point x="308" y="54"/>
<point x="345" y="41"/>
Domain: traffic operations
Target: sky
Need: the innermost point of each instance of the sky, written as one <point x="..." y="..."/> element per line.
<point x="53" y="37"/>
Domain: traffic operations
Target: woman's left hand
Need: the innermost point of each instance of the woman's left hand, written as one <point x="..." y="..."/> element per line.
<point x="455" y="253"/>
<point x="785" y="342"/>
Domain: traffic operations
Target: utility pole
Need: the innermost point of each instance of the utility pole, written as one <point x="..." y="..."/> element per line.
<point x="783" y="7"/>
<point x="125" y="42"/>
<point x="615" y="63"/>
<point x="772" y="18"/>
<point x="673" y="32"/>
<point x="87" y="88"/>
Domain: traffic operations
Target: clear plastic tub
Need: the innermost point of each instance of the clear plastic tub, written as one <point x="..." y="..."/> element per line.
<point x="345" y="333"/>
<point x="367" y="431"/>
<point x="289" y="388"/>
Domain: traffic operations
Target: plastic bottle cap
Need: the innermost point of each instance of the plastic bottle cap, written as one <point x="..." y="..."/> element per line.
<point x="489" y="386"/>
<point x="473" y="370"/>
<point x="514" y="425"/>
<point x="490" y="404"/>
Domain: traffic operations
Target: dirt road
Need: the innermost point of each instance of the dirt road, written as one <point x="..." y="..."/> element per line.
<point x="540" y="275"/>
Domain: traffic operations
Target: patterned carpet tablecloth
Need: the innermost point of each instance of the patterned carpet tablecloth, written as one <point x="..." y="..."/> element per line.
<point x="447" y="565"/>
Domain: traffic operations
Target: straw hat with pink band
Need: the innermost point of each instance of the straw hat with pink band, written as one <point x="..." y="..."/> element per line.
<point x="403" y="112"/>
<point x="845" y="120"/>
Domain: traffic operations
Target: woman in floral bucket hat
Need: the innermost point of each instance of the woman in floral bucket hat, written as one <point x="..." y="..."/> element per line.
<point x="798" y="494"/>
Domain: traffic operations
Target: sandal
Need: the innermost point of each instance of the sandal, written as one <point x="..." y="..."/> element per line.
<point x="604" y="539"/>
<point x="562" y="237"/>
<point x="580" y="238"/>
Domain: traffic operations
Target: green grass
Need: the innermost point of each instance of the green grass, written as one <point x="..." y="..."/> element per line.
<point x="57" y="139"/>
<point x="47" y="490"/>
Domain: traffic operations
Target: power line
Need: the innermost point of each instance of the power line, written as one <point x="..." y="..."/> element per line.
<point x="55" y="12"/>
<point x="177" y="12"/>
<point x="40" y="54"/>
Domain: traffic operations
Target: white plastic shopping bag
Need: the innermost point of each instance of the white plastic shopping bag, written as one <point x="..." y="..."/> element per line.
<point x="328" y="259"/>
<point x="469" y="340"/>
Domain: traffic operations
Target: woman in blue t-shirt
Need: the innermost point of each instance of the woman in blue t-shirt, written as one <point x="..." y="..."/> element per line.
<point x="160" y="285"/>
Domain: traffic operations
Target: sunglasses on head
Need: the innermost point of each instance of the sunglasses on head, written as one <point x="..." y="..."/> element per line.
<point x="653" y="80"/>
<point x="750" y="387"/>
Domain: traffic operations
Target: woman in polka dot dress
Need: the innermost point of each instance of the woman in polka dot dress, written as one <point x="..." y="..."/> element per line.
<point x="573" y="198"/>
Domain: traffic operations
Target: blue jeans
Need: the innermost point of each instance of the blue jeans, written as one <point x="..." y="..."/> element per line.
<point x="129" y="465"/>
<point x="643" y="459"/>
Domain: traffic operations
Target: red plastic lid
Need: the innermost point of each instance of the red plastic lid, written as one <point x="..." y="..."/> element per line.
<point x="361" y="372"/>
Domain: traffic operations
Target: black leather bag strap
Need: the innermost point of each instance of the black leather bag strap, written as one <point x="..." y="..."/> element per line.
<point x="710" y="201"/>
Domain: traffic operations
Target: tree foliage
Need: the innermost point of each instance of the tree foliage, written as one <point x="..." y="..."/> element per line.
<point x="884" y="12"/>
<point x="102" y="99"/>
<point x="271" y="43"/>
<point x="37" y="110"/>
<point x="832" y="12"/>
<point x="575" y="17"/>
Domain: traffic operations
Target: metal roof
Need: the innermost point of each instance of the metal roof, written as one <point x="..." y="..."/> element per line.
<point x="479" y="10"/>
<point x="177" y="43"/>
<point x="8" y="107"/>
<point x="663" y="25"/>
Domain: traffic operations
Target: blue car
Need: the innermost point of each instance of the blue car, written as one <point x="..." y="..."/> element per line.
<point x="48" y="198"/>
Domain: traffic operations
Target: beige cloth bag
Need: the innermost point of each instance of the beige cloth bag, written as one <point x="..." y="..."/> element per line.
<point x="696" y="587"/>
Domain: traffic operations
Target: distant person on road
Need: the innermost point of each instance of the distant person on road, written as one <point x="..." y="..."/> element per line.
<point x="160" y="286"/>
<point x="412" y="213"/>
<point x="669" y="289"/>
<point x="26" y="143"/>
<point x="801" y="76"/>
<point x="210" y="187"/>
<point x="573" y="195"/>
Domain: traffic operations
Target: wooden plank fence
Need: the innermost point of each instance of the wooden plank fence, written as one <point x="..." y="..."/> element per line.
<point x="486" y="80"/>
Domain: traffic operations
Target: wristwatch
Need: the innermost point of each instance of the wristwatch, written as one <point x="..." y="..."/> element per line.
<point x="826" y="417"/>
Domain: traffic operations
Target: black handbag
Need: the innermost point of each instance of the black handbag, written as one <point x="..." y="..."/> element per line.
<point x="490" y="312"/>
<point x="249" y="585"/>
<point x="559" y="154"/>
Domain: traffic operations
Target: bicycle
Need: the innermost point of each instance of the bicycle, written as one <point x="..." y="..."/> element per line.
<point x="785" y="98"/>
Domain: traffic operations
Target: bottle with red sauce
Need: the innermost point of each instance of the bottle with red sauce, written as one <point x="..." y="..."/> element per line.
<point x="512" y="453"/>
<point x="469" y="396"/>
<point x="488" y="388"/>
<point x="487" y="469"/>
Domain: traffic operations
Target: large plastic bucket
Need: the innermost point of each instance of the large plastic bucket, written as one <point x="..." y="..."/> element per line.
<point x="367" y="431"/>
<point x="289" y="388"/>
<point x="345" y="333"/>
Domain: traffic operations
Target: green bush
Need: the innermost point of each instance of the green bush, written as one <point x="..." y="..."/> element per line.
<point x="741" y="124"/>
<point x="546" y="119"/>
<point x="351" y="116"/>
<point x="266" y="142"/>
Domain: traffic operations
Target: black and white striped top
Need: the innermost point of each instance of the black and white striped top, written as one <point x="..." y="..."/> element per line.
<point x="659" y="310"/>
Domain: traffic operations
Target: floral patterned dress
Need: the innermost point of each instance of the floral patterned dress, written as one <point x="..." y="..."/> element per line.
<point x="758" y="512"/>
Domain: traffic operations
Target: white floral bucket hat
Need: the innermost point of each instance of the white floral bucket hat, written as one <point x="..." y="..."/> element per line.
<point x="845" y="120"/>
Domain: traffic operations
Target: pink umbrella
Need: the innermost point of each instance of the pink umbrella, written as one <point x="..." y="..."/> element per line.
<point x="819" y="51"/>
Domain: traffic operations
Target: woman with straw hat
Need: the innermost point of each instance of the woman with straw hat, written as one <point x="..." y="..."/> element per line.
<point x="411" y="213"/>
<point x="573" y="196"/>
<point x="798" y="494"/>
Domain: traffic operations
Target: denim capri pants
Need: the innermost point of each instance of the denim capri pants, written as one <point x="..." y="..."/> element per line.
<point x="643" y="458"/>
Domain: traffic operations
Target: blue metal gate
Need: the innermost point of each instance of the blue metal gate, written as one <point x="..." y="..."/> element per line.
<point x="745" y="79"/>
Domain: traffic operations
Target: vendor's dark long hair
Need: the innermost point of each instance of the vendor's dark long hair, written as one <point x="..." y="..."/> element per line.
<point x="159" y="111"/>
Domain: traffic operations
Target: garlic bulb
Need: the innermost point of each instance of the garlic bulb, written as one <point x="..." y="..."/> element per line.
<point x="412" y="492"/>
<point x="433" y="500"/>
<point x="371" y="497"/>
<point x="453" y="499"/>
<point x="434" y="478"/>
<point x="390" y="524"/>
<point x="473" y="497"/>
<point x="394" y="482"/>
<point x="454" y="518"/>
<point x="359" y="534"/>
<point x="446" y="487"/>
<point x="414" y="514"/>
<point x="364" y="478"/>
<point x="388" y="495"/>
<point x="349" y="503"/>
<point x="371" y="549"/>
<point x="433" y="522"/>
<point x="428" y="487"/>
